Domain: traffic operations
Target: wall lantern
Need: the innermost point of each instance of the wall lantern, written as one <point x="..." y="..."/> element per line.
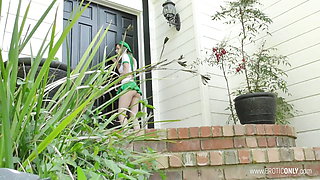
<point x="169" y="12"/>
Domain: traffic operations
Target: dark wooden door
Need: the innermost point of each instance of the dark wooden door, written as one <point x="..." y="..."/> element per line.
<point x="119" y="22"/>
<point x="95" y="17"/>
<point x="81" y="34"/>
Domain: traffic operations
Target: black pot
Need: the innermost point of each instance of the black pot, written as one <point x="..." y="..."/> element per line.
<point x="58" y="70"/>
<point x="256" y="108"/>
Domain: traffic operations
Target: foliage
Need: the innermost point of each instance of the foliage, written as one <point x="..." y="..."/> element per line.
<point x="251" y="20"/>
<point x="263" y="72"/>
<point x="96" y="156"/>
<point x="64" y="136"/>
<point x="261" y="69"/>
<point x="224" y="61"/>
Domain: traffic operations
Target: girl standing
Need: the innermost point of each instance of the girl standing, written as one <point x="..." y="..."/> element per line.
<point x="129" y="100"/>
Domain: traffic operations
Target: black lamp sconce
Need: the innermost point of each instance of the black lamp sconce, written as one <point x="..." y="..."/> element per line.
<point x="170" y="13"/>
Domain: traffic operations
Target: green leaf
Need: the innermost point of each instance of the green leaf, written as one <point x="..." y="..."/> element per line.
<point x="150" y="106"/>
<point x="95" y="176"/>
<point x="24" y="19"/>
<point x="145" y="103"/>
<point x="113" y="166"/>
<point x="133" y="171"/>
<point x="96" y="150"/>
<point x="77" y="147"/>
<point x="141" y="114"/>
<point x="35" y="28"/>
<point x="122" y="175"/>
<point x="74" y="114"/>
<point x="55" y="132"/>
<point x="53" y="31"/>
<point x="80" y="173"/>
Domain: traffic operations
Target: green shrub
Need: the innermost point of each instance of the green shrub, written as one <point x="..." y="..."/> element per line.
<point x="64" y="137"/>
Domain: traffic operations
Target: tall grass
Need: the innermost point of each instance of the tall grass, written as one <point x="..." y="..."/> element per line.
<point x="64" y="137"/>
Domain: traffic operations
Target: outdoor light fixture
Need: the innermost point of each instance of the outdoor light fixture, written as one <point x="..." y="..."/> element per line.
<point x="169" y="12"/>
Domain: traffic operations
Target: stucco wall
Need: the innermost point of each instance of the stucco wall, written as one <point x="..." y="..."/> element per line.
<point x="36" y="9"/>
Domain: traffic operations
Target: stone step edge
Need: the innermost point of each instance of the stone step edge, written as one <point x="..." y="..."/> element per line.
<point x="214" y="144"/>
<point x="284" y="170"/>
<point x="220" y="131"/>
<point x="237" y="157"/>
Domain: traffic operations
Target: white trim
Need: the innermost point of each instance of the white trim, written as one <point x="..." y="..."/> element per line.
<point x="60" y="26"/>
<point x="154" y="59"/>
<point x="204" y="91"/>
<point x="128" y="6"/>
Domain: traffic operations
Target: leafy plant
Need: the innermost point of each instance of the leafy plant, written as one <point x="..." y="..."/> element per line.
<point x="225" y="61"/>
<point x="251" y="20"/>
<point x="64" y="136"/>
<point x="261" y="69"/>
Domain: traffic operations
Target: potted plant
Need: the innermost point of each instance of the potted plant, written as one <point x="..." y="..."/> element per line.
<point x="257" y="101"/>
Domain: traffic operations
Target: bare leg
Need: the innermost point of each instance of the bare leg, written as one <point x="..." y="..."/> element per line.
<point x="134" y="108"/>
<point x="124" y="103"/>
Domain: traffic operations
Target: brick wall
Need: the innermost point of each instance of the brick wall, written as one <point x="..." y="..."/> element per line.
<point x="231" y="152"/>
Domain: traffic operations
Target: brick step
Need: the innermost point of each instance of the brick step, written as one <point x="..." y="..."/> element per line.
<point x="240" y="156"/>
<point x="190" y="145"/>
<point x="221" y="131"/>
<point x="239" y="164"/>
<point x="217" y="137"/>
<point x="285" y="170"/>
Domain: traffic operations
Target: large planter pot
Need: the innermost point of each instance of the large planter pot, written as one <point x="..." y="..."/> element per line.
<point x="58" y="70"/>
<point x="256" y="108"/>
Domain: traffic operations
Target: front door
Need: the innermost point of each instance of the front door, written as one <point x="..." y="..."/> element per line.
<point x="95" y="17"/>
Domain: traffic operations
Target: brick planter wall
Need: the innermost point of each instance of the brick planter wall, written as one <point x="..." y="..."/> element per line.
<point x="231" y="152"/>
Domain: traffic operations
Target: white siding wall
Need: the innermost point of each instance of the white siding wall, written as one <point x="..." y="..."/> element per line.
<point x="176" y="94"/>
<point x="209" y="34"/>
<point x="36" y="9"/>
<point x="296" y="34"/>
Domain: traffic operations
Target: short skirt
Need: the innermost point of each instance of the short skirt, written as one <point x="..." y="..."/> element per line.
<point x="130" y="85"/>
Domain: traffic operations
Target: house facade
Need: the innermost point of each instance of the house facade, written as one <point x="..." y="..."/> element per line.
<point x="182" y="96"/>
